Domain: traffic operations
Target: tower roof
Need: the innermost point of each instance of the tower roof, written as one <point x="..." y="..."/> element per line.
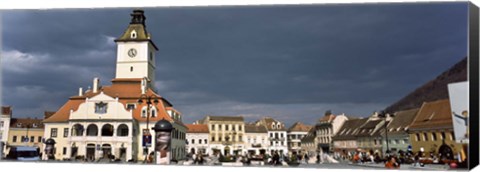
<point x="136" y="30"/>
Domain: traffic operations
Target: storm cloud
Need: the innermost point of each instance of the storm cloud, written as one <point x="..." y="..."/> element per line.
<point x="289" y="62"/>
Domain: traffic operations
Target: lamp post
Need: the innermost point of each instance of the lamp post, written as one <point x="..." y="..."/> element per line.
<point x="163" y="129"/>
<point x="149" y="100"/>
<point x="384" y="116"/>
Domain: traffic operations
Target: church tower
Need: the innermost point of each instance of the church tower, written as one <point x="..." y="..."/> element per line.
<point x="136" y="51"/>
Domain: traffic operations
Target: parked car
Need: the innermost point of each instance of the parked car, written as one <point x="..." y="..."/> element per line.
<point x="23" y="153"/>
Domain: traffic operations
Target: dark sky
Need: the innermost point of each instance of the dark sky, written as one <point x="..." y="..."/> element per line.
<point x="289" y="62"/>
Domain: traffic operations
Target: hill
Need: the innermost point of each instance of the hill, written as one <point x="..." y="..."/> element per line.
<point x="435" y="89"/>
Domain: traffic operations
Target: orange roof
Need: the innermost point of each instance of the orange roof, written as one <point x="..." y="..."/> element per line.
<point x="298" y="126"/>
<point x="327" y="118"/>
<point x="26" y="123"/>
<point x="127" y="91"/>
<point x="433" y="115"/>
<point x="197" y="128"/>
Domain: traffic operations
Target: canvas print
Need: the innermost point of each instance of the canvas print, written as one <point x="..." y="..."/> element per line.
<point x="345" y="86"/>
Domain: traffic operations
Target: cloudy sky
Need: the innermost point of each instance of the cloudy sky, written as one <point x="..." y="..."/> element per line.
<point x="289" y="62"/>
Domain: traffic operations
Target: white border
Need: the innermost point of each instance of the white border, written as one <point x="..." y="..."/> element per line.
<point x="55" y="4"/>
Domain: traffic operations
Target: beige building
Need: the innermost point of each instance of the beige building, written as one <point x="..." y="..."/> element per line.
<point x="432" y="131"/>
<point x="26" y="132"/>
<point x="227" y="133"/>
<point x="327" y="127"/>
<point x="111" y="120"/>
<point x="309" y="143"/>
<point x="345" y="141"/>
<point x="295" y="134"/>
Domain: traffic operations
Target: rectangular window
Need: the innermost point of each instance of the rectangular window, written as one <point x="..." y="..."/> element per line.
<point x="219" y="127"/>
<point x="425" y="136"/>
<point x="271" y="143"/>
<point x="206" y="141"/>
<point x="2" y="123"/>
<point x="65" y="132"/>
<point x="130" y="106"/>
<point x="226" y="127"/>
<point x="101" y="108"/>
<point x="14" y="139"/>
<point x="240" y="138"/>
<point x="213" y="139"/>
<point x="271" y="134"/>
<point x="213" y="127"/>
<point x="53" y="132"/>
<point x="443" y="135"/>
<point x="32" y="139"/>
<point x="199" y="141"/>
<point x="39" y="139"/>
<point x="276" y="135"/>
<point x="64" y="151"/>
<point x="434" y="136"/>
<point x="240" y="128"/>
<point x="417" y="137"/>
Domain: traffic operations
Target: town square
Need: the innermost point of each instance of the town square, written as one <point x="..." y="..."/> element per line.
<point x="337" y="111"/>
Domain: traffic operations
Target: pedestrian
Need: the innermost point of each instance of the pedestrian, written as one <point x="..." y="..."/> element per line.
<point x="392" y="164"/>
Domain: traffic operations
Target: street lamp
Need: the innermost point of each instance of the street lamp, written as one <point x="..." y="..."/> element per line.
<point x="163" y="129"/>
<point x="149" y="100"/>
<point x="384" y="116"/>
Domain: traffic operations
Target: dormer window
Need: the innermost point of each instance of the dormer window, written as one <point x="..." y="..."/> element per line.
<point x="273" y="126"/>
<point x="34" y="125"/>
<point x="19" y="124"/>
<point x="130" y="106"/>
<point x="101" y="108"/>
<point x="133" y="34"/>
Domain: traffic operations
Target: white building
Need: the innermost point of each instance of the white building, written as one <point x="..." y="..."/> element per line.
<point x="198" y="139"/>
<point x="4" y="126"/>
<point x="295" y="134"/>
<point x="256" y="139"/>
<point x="327" y="127"/>
<point x="110" y="119"/>
<point x="277" y="134"/>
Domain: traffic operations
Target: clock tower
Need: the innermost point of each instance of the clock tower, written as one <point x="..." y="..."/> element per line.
<point x="136" y="51"/>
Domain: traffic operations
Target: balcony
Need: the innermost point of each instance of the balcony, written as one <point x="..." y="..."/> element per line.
<point x="277" y="139"/>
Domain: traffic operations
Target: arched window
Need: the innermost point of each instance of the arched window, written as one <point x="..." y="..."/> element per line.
<point x="133" y="34"/>
<point x="107" y="130"/>
<point x="122" y="130"/>
<point x="144" y="112"/>
<point x="77" y="130"/>
<point x="92" y="130"/>
<point x="153" y="112"/>
<point x="131" y="68"/>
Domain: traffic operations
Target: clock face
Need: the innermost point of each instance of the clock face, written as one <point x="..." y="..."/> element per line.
<point x="132" y="52"/>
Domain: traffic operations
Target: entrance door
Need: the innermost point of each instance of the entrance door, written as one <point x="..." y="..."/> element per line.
<point x="226" y="150"/>
<point x="107" y="150"/>
<point x="74" y="152"/>
<point x="90" y="152"/>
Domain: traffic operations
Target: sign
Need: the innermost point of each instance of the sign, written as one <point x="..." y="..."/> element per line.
<point x="459" y="104"/>
<point x="147" y="138"/>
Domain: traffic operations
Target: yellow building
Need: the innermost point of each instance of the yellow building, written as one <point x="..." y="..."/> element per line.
<point x="432" y="131"/>
<point x="25" y="132"/>
<point x="226" y="133"/>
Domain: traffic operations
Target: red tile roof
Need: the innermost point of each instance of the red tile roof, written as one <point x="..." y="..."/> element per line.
<point x="127" y="91"/>
<point x="26" y="123"/>
<point x="298" y="126"/>
<point x="433" y="115"/>
<point x="197" y="128"/>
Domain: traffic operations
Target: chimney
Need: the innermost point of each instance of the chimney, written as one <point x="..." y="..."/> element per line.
<point x="144" y="85"/>
<point x="80" y="91"/>
<point x="95" y="84"/>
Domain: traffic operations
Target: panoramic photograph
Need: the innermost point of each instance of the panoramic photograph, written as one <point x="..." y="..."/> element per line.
<point x="350" y="86"/>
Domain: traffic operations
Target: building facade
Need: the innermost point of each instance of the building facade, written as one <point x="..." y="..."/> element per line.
<point x="432" y="131"/>
<point x="198" y="139"/>
<point x="111" y="120"/>
<point x="398" y="138"/>
<point x="26" y="132"/>
<point x="327" y="127"/>
<point x="226" y="134"/>
<point x="5" y="126"/>
<point x="345" y="141"/>
<point x="256" y="139"/>
<point x="369" y="139"/>
<point x="295" y="135"/>
<point x="309" y="143"/>
<point x="277" y="134"/>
